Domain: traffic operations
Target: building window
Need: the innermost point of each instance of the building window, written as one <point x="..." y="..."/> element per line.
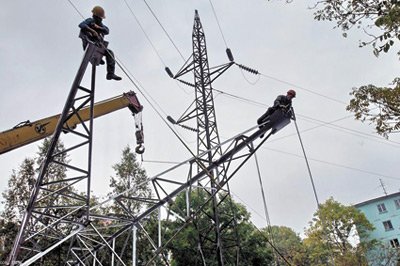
<point x="382" y="207"/>
<point x="394" y="243"/>
<point x="388" y="225"/>
<point x="397" y="203"/>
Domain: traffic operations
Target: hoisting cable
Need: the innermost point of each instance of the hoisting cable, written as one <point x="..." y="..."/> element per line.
<point x="305" y="157"/>
<point x="165" y="31"/>
<point x="269" y="228"/>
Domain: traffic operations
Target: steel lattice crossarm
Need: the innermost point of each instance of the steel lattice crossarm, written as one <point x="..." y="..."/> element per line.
<point x="96" y="238"/>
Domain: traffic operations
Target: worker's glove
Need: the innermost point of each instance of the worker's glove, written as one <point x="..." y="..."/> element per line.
<point x="94" y="33"/>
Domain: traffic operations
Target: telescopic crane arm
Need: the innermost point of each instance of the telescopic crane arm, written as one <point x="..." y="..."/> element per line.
<point x="28" y="132"/>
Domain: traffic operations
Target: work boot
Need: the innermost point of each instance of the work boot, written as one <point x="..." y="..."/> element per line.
<point x="112" y="76"/>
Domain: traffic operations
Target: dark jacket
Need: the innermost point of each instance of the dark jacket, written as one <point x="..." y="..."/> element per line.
<point x="85" y="33"/>
<point x="282" y="101"/>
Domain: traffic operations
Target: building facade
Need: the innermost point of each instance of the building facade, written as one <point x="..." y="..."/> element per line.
<point x="384" y="214"/>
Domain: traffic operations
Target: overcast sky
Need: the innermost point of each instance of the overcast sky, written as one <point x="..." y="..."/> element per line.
<point x="40" y="53"/>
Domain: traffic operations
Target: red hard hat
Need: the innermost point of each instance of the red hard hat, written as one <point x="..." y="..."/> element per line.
<point x="291" y="92"/>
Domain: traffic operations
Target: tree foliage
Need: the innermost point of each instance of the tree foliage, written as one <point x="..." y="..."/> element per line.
<point x="185" y="249"/>
<point x="380" y="20"/>
<point x="379" y="105"/>
<point x="129" y="175"/>
<point x="20" y="185"/>
<point x="331" y="231"/>
<point x="289" y="245"/>
<point x="18" y="193"/>
<point x="132" y="179"/>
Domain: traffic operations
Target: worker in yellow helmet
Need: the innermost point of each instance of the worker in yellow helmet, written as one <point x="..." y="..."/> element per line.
<point x="93" y="30"/>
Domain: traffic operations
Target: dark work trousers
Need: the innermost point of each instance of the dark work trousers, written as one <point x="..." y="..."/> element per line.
<point x="262" y="118"/>
<point x="109" y="58"/>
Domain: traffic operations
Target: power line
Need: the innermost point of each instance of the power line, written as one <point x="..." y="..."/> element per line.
<point x="216" y="17"/>
<point x="76" y="9"/>
<point x="220" y="91"/>
<point x="314" y="120"/>
<point x="219" y="25"/>
<point x="334" y="164"/>
<point x="354" y="132"/>
<point x="163" y="28"/>
<point x="147" y="97"/>
<point x="302" y="88"/>
<point x="144" y="32"/>
<point x="263" y="105"/>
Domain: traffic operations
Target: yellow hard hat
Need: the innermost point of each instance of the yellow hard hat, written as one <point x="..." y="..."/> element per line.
<point x="99" y="11"/>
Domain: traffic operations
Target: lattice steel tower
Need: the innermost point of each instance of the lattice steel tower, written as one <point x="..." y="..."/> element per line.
<point x="207" y="133"/>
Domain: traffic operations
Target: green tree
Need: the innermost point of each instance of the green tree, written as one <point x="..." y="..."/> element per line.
<point x="379" y="105"/>
<point x="15" y="200"/>
<point x="184" y="246"/>
<point x="380" y="20"/>
<point x="331" y="230"/>
<point x="380" y="17"/>
<point x="17" y="195"/>
<point x="288" y="243"/>
<point x="18" y="192"/>
<point x="131" y="183"/>
<point x="129" y="175"/>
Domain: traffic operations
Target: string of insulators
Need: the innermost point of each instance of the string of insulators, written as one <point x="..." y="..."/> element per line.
<point x="248" y="69"/>
<point x="169" y="72"/>
<point x="229" y="54"/>
<point x="188" y="128"/>
<point x="173" y="121"/>
<point x="186" y="83"/>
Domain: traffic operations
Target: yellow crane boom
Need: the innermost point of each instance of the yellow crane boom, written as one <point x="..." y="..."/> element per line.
<point x="27" y="132"/>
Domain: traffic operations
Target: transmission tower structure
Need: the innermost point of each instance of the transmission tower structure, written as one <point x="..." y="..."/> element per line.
<point x="62" y="223"/>
<point x="59" y="205"/>
<point x="203" y="111"/>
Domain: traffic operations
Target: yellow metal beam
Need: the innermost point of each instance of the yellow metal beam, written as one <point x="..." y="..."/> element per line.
<point x="30" y="132"/>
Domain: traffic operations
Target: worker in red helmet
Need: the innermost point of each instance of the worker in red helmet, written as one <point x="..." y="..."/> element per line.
<point x="93" y="30"/>
<point x="281" y="102"/>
